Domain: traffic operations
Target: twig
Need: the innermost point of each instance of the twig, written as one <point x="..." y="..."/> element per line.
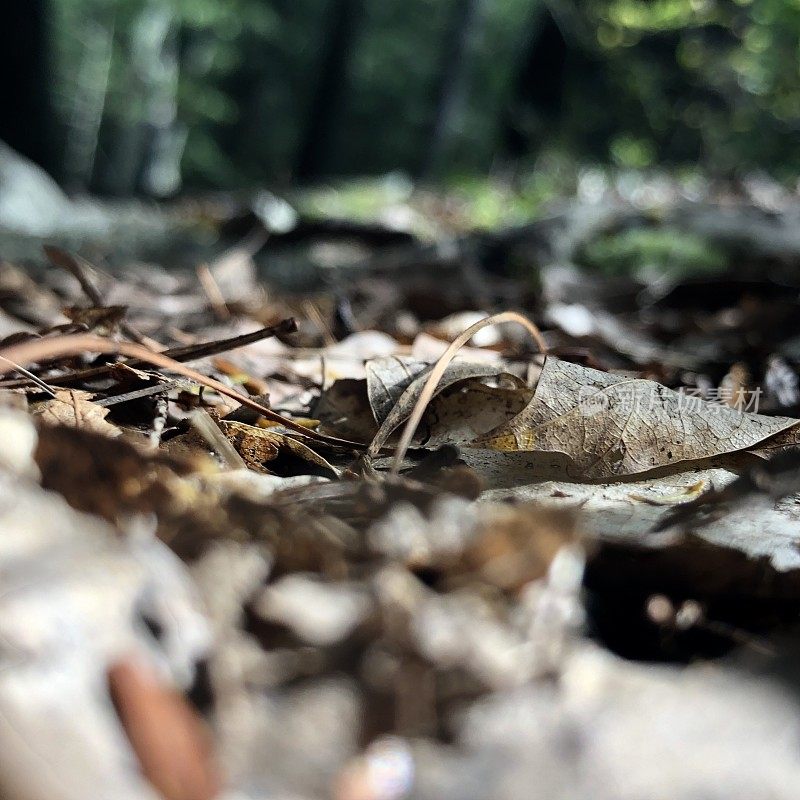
<point x="190" y="352"/>
<point x="62" y="346"/>
<point x="30" y="376"/>
<point x="148" y="391"/>
<point x="159" y="420"/>
<point x="75" y="267"/>
<point x="182" y="353"/>
<point x="79" y="269"/>
<point x="313" y="313"/>
<point x="215" y="297"/>
<point x="429" y="389"/>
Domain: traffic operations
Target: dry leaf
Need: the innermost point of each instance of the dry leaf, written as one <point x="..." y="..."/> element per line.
<point x="343" y="409"/>
<point x="751" y="550"/>
<point x="609" y="425"/>
<point x="456" y="416"/>
<point x="75" y="409"/>
<point x="260" y="447"/>
<point x="394" y="385"/>
<point x="100" y="319"/>
<point x="461" y="413"/>
<point x="389" y="378"/>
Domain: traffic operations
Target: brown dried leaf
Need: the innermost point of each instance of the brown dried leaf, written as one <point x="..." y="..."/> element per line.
<point x="389" y="378"/>
<point x="75" y="409"/>
<point x="343" y="409"/>
<point x="100" y="319"/>
<point x="394" y="385"/>
<point x="112" y="478"/>
<point x="461" y="413"/>
<point x="456" y="415"/>
<point x="608" y="425"/>
<point x="260" y="447"/>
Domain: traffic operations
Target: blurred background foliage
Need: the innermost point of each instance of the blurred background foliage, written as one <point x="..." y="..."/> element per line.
<point x="151" y="97"/>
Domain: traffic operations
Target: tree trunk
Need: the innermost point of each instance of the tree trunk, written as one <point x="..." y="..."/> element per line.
<point x="26" y="118"/>
<point x="314" y="153"/>
<point x="145" y="148"/>
<point x="88" y="105"/>
<point x="453" y="85"/>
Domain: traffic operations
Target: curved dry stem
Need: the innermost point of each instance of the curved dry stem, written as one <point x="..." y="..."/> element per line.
<point x="441" y="365"/>
<point x="31" y="377"/>
<point x="61" y="346"/>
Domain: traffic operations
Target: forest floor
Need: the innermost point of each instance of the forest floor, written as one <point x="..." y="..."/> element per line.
<point x="378" y="498"/>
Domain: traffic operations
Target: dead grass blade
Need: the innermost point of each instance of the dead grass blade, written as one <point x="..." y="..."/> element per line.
<point x="31" y="377"/>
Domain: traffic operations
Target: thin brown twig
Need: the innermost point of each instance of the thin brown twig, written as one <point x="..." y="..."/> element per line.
<point x="71" y="263"/>
<point x="313" y="313"/>
<point x="216" y="299"/>
<point x="60" y="347"/>
<point x="189" y="352"/>
<point x="79" y="269"/>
